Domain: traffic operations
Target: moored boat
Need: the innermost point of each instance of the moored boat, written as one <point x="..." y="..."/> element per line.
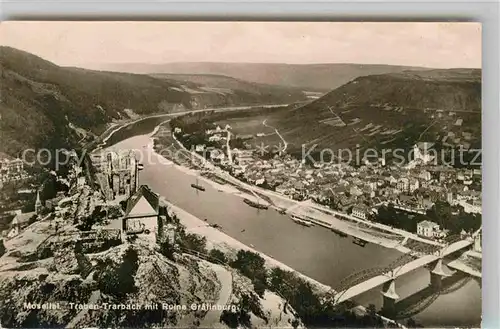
<point x="198" y="187"/>
<point x="301" y="221"/>
<point x="359" y="242"/>
<point x="218" y="180"/>
<point x="255" y="204"/>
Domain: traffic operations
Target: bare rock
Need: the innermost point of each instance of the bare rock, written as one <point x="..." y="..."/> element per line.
<point x="69" y="261"/>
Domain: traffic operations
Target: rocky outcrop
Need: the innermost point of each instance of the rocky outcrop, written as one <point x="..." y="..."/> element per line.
<point x="129" y="274"/>
<point x="70" y="260"/>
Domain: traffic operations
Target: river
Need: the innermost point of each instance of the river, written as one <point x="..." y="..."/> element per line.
<point x="314" y="251"/>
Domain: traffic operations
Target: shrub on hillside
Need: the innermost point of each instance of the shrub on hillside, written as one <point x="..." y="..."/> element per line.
<point x="251" y="265"/>
<point x="2" y="248"/>
<point x="118" y="279"/>
<point x="192" y="242"/>
<point x="218" y="256"/>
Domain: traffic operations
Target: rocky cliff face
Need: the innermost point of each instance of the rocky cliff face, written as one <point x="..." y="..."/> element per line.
<point x="129" y="285"/>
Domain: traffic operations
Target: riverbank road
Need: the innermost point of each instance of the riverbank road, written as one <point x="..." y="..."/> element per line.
<point x="307" y="204"/>
<point x="371" y="224"/>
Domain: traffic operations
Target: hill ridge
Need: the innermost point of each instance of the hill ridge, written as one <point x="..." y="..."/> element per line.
<point x="315" y="77"/>
<point x="63" y="105"/>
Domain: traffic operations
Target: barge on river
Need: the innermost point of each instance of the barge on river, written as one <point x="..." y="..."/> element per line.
<point x="359" y="242"/>
<point x="301" y="221"/>
<point x="198" y="186"/>
<point x="255" y="204"/>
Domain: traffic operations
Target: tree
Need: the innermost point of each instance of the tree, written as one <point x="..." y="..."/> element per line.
<point x="411" y="323"/>
<point x="372" y="310"/>
<point x="118" y="280"/>
<point x="395" y="218"/>
<point x="440" y="213"/>
<point x="123" y="205"/>
<point x="98" y="215"/>
<point x="167" y="250"/>
<point x="32" y="219"/>
<point x="282" y="281"/>
<point x="193" y="242"/>
<point x="250" y="264"/>
<point x="259" y="287"/>
<point x="175" y="219"/>
<point x="2" y="248"/>
<point x="239" y="318"/>
<point x="85" y="223"/>
<point x="230" y="318"/>
<point x="218" y="256"/>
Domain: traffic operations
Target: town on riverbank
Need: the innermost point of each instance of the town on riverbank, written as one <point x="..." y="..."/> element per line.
<point x="379" y="210"/>
<point x="105" y="216"/>
<point x="242" y="175"/>
<point x="214" y="240"/>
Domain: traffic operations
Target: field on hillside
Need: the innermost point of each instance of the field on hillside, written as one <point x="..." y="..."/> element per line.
<point x="374" y="127"/>
<point x="253" y="130"/>
<point x="65" y="106"/>
<point x="387" y="112"/>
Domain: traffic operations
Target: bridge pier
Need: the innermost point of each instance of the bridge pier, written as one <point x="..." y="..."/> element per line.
<point x="389" y="297"/>
<point x="439" y="272"/>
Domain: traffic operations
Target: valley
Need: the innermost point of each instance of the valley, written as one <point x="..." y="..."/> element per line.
<point x="379" y="112"/>
<point x="67" y="106"/>
<point x="311" y="77"/>
<point x="246" y="175"/>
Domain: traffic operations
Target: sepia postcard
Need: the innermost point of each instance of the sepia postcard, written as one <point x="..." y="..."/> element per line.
<point x="240" y="174"/>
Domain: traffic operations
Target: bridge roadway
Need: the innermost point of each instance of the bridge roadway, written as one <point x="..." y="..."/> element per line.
<point x="379" y="280"/>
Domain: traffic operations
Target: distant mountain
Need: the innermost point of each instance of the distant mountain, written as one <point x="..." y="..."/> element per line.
<point x="218" y="81"/>
<point x="220" y="90"/>
<point x="309" y="77"/>
<point x="393" y="110"/>
<point x="43" y="104"/>
<point x="59" y="106"/>
<point x="450" y="90"/>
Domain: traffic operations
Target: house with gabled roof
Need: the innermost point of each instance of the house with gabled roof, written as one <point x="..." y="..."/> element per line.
<point x="360" y="211"/>
<point x="142" y="205"/>
<point x="427" y="229"/>
<point x="20" y="221"/>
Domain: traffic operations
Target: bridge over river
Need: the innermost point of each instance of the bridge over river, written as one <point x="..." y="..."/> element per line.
<point x="388" y="278"/>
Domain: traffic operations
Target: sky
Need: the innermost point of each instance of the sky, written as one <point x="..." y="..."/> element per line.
<point x="90" y="44"/>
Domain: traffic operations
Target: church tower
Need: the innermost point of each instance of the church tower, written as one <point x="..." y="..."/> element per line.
<point x="38" y="202"/>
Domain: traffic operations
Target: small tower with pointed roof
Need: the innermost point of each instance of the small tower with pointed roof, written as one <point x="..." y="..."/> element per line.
<point x="38" y="202"/>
